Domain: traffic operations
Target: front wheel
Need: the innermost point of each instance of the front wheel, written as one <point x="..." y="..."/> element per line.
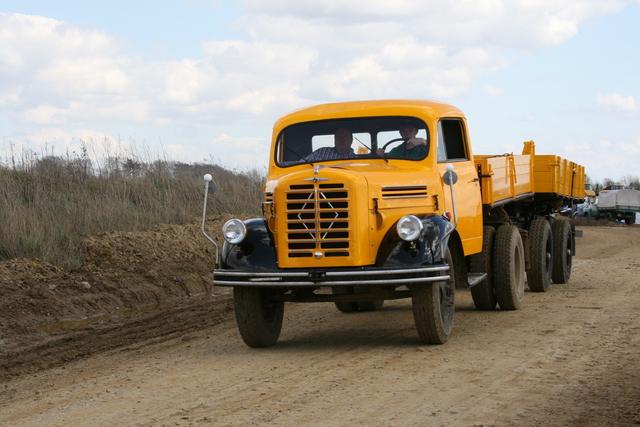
<point x="433" y="307"/>
<point x="258" y="315"/>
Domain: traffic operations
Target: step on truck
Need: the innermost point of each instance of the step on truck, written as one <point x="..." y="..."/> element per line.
<point x="371" y="201"/>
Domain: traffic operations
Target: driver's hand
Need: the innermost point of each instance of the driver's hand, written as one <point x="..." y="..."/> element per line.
<point x="414" y="142"/>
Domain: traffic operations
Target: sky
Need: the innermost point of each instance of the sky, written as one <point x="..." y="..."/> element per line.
<point x="204" y="80"/>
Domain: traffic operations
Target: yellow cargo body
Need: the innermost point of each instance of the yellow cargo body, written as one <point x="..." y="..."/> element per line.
<point x="553" y="174"/>
<point x="504" y="178"/>
<point x="511" y="177"/>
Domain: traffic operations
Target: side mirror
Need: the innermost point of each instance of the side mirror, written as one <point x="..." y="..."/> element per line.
<point x="450" y="177"/>
<point x="211" y="186"/>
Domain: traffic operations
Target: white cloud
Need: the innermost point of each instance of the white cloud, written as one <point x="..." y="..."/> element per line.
<point x="45" y="114"/>
<point x="245" y="152"/>
<point x="67" y="143"/>
<point x="631" y="149"/>
<point x="296" y="53"/>
<point x="573" y="148"/>
<point x="616" y="101"/>
<point x="291" y="54"/>
<point x="520" y="24"/>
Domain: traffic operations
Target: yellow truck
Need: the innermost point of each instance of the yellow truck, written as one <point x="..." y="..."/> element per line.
<point x="380" y="200"/>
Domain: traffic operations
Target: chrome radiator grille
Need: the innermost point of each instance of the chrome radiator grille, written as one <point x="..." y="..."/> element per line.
<point x="318" y="220"/>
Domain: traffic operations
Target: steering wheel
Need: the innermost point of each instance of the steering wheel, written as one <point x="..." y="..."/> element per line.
<point x="384" y="154"/>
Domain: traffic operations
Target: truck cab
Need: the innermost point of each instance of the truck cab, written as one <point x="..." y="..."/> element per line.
<point x="359" y="199"/>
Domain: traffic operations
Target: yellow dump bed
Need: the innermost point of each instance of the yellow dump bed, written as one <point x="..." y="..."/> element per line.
<point x="510" y="177"/>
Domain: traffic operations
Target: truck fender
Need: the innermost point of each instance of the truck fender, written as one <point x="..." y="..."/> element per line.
<point x="256" y="252"/>
<point x="427" y="250"/>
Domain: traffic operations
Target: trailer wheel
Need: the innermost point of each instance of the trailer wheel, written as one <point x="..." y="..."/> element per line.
<point x="562" y="254"/>
<point x="508" y="267"/>
<point x="483" y="294"/>
<point x="540" y="256"/>
<point x="258" y="315"/>
<point x="433" y="307"/>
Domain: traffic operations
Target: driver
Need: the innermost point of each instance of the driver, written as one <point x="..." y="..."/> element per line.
<point x="342" y="141"/>
<point x="411" y="148"/>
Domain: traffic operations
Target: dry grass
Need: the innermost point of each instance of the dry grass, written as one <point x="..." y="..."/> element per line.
<point x="47" y="204"/>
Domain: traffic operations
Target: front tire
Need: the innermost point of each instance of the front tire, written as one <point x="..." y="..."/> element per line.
<point x="540" y="256"/>
<point x="508" y="267"/>
<point x="433" y="307"/>
<point x="258" y="315"/>
<point x="562" y="251"/>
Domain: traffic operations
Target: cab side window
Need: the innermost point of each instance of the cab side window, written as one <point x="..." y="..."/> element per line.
<point x="451" y="140"/>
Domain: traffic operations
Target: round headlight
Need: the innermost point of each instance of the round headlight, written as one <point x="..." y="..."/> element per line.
<point x="234" y="231"/>
<point x="409" y="228"/>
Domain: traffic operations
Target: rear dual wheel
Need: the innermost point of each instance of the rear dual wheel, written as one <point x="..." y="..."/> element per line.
<point x="540" y="256"/>
<point x="508" y="267"/>
<point x="562" y="251"/>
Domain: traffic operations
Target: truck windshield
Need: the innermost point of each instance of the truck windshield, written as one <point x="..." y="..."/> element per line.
<point x="353" y="139"/>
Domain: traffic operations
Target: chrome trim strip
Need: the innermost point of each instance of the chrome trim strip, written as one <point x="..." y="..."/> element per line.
<point x="427" y="269"/>
<point x="336" y="283"/>
<point x="406" y="197"/>
<point x="404" y="187"/>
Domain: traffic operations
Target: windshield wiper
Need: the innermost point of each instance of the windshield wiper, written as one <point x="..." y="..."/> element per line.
<point x="298" y="156"/>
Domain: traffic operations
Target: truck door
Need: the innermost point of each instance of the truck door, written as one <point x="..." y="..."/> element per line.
<point x="453" y="147"/>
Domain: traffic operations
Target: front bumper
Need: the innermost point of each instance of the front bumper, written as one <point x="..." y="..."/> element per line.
<point x="315" y="278"/>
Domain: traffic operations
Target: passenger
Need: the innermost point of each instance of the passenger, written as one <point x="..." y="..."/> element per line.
<point x="412" y="148"/>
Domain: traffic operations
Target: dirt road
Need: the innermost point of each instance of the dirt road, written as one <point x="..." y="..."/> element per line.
<point x="570" y="357"/>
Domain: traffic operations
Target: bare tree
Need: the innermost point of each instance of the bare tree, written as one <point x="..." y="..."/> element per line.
<point x="631" y="181"/>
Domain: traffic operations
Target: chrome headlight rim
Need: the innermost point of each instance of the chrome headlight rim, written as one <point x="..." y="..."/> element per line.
<point x="409" y="228"/>
<point x="234" y="231"/>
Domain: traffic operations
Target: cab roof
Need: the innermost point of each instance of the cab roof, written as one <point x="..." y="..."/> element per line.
<point x="424" y="109"/>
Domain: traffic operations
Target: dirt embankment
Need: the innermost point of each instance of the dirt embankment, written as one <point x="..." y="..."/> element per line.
<point x="43" y="305"/>
<point x="570" y="357"/>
